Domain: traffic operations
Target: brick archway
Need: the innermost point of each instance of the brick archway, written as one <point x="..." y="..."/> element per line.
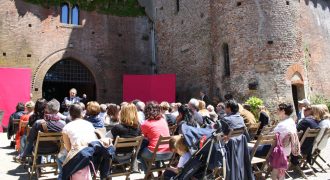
<point x="89" y="62"/>
<point x="295" y="75"/>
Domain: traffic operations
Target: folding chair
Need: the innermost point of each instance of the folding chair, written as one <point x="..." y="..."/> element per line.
<point x="253" y="129"/>
<point x="267" y="129"/>
<point x="172" y="129"/>
<point x="151" y="167"/>
<point x="236" y="132"/>
<point x="317" y="153"/>
<point x="125" y="160"/>
<point x="53" y="137"/>
<point x="15" y="129"/>
<point x="255" y="161"/>
<point x="309" y="133"/>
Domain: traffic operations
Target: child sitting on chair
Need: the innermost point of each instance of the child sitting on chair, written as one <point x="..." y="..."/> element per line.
<point x="178" y="146"/>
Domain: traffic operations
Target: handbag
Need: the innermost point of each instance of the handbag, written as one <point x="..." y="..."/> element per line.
<point x="84" y="173"/>
<point x="277" y="159"/>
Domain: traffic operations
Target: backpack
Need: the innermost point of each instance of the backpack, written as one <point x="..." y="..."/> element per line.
<point x="277" y="159"/>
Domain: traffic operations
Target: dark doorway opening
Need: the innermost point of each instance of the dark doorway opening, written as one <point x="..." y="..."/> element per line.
<point x="67" y="74"/>
<point x="298" y="93"/>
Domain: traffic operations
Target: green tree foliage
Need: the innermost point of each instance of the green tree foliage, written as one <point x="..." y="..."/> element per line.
<point x="254" y="102"/>
<point x="320" y="99"/>
<point x="112" y="7"/>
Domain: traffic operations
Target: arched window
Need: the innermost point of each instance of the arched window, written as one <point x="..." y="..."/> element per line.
<point x="65" y="13"/>
<point x="75" y="15"/>
<point x="226" y="59"/>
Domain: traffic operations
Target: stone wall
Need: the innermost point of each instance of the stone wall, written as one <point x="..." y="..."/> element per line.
<point x="315" y="27"/>
<point x="109" y="46"/>
<point x="264" y="41"/>
<point x="183" y="44"/>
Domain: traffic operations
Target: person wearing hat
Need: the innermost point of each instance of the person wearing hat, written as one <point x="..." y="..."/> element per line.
<point x="302" y="105"/>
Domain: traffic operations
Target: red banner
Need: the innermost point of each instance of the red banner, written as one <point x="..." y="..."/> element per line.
<point x="149" y="87"/>
<point x="15" y="85"/>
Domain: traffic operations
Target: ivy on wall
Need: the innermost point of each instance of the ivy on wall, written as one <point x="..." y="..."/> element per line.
<point x="112" y="7"/>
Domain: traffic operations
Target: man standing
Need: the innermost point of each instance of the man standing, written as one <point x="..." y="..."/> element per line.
<point x="204" y="97"/>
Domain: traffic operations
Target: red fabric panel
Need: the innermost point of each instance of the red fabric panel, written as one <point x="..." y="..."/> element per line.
<point x="15" y="85"/>
<point x="149" y="87"/>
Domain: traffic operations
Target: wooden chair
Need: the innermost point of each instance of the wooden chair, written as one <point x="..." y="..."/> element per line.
<point x="173" y="129"/>
<point x="253" y="129"/>
<point x="151" y="167"/>
<point x="255" y="161"/>
<point x="53" y="137"/>
<point x="15" y="129"/>
<point x="317" y="154"/>
<point x="309" y="133"/>
<point x="127" y="159"/>
<point x="236" y="132"/>
<point x="267" y="129"/>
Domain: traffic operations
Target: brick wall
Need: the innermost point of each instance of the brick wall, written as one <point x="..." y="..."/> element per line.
<point x="108" y="46"/>
<point x="315" y="27"/>
<point x="183" y="44"/>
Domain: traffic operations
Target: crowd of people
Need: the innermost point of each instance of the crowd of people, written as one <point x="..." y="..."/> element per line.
<point x="80" y="122"/>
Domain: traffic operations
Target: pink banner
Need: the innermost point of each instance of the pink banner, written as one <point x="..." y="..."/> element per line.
<point x="149" y="87"/>
<point x="15" y="85"/>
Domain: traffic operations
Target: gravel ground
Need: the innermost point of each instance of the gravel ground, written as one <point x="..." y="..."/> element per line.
<point x="11" y="170"/>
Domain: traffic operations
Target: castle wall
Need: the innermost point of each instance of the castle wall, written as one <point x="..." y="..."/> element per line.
<point x="108" y="46"/>
<point x="183" y="44"/>
<point x="264" y="42"/>
<point x="315" y="27"/>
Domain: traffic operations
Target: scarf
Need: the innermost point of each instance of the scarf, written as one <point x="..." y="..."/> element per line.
<point x="293" y="140"/>
<point x="51" y="117"/>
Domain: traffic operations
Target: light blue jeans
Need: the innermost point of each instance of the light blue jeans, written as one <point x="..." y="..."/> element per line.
<point x="147" y="154"/>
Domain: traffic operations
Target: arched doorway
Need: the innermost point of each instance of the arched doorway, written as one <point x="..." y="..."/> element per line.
<point x="67" y="74"/>
<point x="298" y="89"/>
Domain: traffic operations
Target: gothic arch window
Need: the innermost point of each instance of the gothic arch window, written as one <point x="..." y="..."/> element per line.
<point x="65" y="13"/>
<point x="75" y="15"/>
<point x="226" y="59"/>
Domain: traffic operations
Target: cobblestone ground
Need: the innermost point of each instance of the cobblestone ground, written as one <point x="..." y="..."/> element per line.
<point x="11" y="170"/>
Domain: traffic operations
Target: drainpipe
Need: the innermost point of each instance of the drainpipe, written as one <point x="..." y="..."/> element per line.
<point x="153" y="45"/>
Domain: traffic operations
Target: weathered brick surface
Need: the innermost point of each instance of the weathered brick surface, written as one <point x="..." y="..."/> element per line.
<point x="266" y="39"/>
<point x="108" y="46"/>
<point x="273" y="43"/>
<point x="315" y="26"/>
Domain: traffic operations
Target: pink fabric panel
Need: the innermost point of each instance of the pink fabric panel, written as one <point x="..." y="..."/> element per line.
<point x="149" y="87"/>
<point x="15" y="85"/>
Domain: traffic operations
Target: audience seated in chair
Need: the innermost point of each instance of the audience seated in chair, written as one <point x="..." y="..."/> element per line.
<point x="154" y="127"/>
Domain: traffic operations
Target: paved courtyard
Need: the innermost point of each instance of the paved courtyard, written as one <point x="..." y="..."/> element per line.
<point x="11" y="170"/>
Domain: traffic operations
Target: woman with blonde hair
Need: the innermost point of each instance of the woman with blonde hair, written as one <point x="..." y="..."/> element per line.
<point x="202" y="109"/>
<point x="129" y="124"/>
<point x="92" y="111"/>
<point x="321" y="114"/>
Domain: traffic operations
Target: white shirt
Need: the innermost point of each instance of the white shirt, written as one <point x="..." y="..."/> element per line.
<point x="320" y="143"/>
<point x="284" y="128"/>
<point x="80" y="132"/>
<point x="184" y="159"/>
<point x="141" y="117"/>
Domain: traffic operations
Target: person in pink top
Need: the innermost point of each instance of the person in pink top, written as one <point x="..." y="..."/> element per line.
<point x="154" y="127"/>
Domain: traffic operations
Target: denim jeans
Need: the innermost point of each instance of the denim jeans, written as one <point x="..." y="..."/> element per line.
<point x="22" y="143"/>
<point x="59" y="162"/>
<point x="147" y="154"/>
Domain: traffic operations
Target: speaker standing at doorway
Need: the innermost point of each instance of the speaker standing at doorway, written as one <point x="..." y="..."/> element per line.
<point x="68" y="101"/>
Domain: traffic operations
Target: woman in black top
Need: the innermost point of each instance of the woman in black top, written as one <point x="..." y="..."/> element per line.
<point x="263" y="118"/>
<point x="129" y="124"/>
